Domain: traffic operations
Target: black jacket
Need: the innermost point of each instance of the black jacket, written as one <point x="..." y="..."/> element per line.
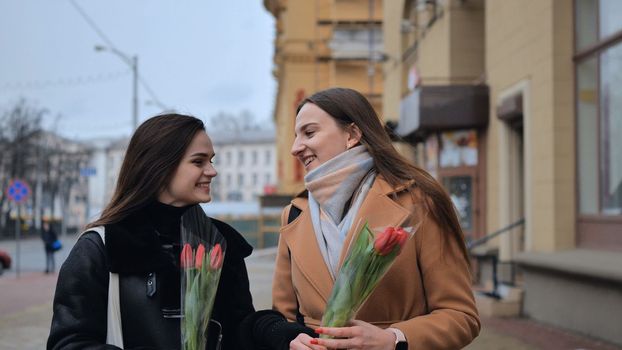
<point x="136" y="249"/>
<point x="269" y="329"/>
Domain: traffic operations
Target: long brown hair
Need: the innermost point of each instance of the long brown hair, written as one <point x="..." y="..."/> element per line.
<point x="348" y="106"/>
<point x="153" y="155"/>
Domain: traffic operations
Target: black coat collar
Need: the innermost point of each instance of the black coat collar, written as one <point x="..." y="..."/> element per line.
<point x="135" y="244"/>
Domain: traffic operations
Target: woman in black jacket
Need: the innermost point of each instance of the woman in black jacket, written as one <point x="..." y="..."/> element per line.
<point x="48" y="236"/>
<point x="167" y="171"/>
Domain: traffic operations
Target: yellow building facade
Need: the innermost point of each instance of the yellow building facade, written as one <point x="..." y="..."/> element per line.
<point x="321" y="44"/>
<point x="514" y="106"/>
<point x="435" y="95"/>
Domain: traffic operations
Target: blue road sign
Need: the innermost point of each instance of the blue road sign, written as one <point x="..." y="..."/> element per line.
<point x="88" y="172"/>
<point x="18" y="190"/>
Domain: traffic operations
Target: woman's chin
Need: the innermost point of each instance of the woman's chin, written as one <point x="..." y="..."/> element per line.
<point x="204" y="199"/>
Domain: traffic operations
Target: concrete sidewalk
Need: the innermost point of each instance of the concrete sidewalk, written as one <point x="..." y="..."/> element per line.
<point x="26" y="310"/>
<point x="26" y="314"/>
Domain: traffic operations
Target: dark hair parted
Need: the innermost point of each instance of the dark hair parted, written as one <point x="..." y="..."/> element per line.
<point x="152" y="157"/>
<point x="348" y="106"/>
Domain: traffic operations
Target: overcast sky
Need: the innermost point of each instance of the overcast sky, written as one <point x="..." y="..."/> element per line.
<point x="198" y="56"/>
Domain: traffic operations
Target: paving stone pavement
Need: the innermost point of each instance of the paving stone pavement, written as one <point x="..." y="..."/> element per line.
<point x="26" y="310"/>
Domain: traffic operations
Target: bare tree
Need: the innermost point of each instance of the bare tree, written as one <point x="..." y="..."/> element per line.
<point x="48" y="162"/>
<point x="20" y="125"/>
<point x="243" y="121"/>
<point x="58" y="169"/>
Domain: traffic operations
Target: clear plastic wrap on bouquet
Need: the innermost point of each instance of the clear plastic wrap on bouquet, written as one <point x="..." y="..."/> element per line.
<point x="202" y="256"/>
<point x="371" y="253"/>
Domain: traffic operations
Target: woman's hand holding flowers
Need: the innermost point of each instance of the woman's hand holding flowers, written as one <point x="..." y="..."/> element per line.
<point x="304" y="342"/>
<point x="361" y="335"/>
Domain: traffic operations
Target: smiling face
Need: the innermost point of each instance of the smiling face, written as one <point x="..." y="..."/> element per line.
<point x="319" y="137"/>
<point x="191" y="182"/>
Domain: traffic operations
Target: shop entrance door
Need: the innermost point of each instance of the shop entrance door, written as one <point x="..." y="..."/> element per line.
<point x="461" y="185"/>
<point x="461" y="164"/>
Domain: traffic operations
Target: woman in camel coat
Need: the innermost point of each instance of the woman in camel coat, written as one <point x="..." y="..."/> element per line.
<point x="425" y="300"/>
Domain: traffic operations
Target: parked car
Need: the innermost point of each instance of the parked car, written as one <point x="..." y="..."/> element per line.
<point x="5" y="261"/>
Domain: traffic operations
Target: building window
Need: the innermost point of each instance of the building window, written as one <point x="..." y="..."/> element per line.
<point x="240" y="179"/>
<point x="586" y="31"/>
<point x="254" y="158"/>
<point x="611" y="129"/>
<point x="460" y="190"/>
<point x="268" y="179"/>
<point x="610" y="18"/>
<point x="228" y="158"/>
<point x="268" y="157"/>
<point x="587" y="129"/>
<point x="598" y="39"/>
<point x="235" y="196"/>
<point x="240" y="157"/>
<point x="255" y="179"/>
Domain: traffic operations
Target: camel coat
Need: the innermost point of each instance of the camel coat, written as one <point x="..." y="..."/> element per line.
<point x="426" y="293"/>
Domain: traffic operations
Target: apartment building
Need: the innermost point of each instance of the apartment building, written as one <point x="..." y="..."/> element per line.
<point x="512" y="106"/>
<point x="246" y="165"/>
<point x="321" y="44"/>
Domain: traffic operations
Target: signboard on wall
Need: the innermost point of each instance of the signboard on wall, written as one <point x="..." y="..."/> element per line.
<point x="431" y="155"/>
<point x="459" y="148"/>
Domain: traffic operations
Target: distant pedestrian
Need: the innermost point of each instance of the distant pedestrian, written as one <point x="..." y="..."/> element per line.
<point x="49" y="237"/>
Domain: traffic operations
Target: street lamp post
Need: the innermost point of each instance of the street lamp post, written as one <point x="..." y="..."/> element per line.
<point x="133" y="63"/>
<point x="135" y="92"/>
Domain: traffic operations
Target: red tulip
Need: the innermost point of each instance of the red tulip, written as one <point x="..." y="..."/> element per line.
<point x="186" y="256"/>
<point x="382" y="241"/>
<point x="367" y="261"/>
<point x="401" y="236"/>
<point x="216" y="257"/>
<point x="386" y="241"/>
<point x="200" y="255"/>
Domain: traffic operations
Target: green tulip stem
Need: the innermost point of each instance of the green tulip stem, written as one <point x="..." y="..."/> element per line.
<point x="360" y="273"/>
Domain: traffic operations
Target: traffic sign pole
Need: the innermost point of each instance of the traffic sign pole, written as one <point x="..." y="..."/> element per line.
<point x="17" y="192"/>
<point x="17" y="239"/>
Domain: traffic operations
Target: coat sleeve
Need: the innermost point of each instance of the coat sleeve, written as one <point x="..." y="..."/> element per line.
<point x="452" y="320"/>
<point x="283" y="293"/>
<point x="234" y="300"/>
<point x="268" y="329"/>
<point x="81" y="298"/>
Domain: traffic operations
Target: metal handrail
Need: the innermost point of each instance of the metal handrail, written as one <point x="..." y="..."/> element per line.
<point x="480" y="241"/>
<point x="493" y="257"/>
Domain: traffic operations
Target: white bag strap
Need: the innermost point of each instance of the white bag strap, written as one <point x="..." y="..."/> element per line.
<point x="114" y="335"/>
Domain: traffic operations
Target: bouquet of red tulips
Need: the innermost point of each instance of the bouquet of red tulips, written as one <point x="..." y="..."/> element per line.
<point x="370" y="256"/>
<point x="202" y="256"/>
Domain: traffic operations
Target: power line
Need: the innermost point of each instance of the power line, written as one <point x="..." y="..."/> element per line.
<point x="63" y="82"/>
<point x="111" y="45"/>
<point x="153" y="95"/>
<point x="92" y="24"/>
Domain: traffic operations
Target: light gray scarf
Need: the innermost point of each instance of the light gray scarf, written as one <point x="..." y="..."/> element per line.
<point x="347" y="176"/>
